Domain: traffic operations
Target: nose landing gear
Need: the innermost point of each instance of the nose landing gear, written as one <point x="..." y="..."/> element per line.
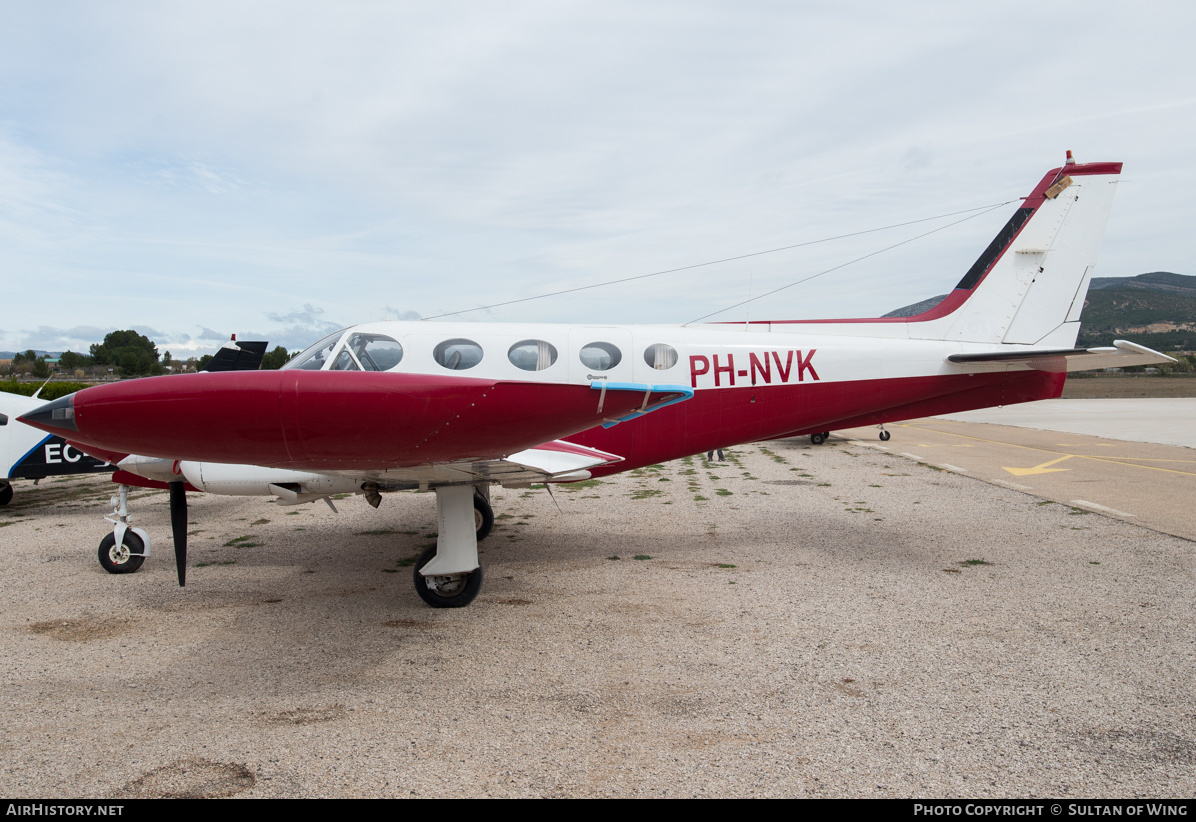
<point x="125" y="549"/>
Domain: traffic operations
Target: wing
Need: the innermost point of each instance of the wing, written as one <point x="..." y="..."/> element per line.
<point x="555" y="461"/>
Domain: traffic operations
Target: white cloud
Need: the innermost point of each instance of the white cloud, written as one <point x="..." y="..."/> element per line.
<point x="188" y="166"/>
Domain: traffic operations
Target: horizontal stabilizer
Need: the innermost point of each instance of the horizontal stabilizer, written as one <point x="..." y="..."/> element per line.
<point x="1121" y="355"/>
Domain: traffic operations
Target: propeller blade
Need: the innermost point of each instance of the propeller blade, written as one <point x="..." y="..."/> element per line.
<point x="178" y="525"/>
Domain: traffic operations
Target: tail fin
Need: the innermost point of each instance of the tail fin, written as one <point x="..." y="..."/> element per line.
<point x="235" y="356"/>
<point x="1029" y="285"/>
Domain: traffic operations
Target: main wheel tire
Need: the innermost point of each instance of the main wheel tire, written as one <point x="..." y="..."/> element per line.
<point x="5" y="493"/>
<point x="483" y="516"/>
<point x="817" y="439"/>
<point x="884" y="436"/>
<point x="123" y="560"/>
<point x="451" y="591"/>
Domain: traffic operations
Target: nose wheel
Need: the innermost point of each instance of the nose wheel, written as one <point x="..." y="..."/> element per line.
<point x="124" y="558"/>
<point x="125" y="549"/>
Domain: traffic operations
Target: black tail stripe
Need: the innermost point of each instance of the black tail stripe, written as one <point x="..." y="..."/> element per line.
<point x="995" y="249"/>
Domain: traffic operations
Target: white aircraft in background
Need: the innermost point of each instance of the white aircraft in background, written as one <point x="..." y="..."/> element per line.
<point x="27" y="453"/>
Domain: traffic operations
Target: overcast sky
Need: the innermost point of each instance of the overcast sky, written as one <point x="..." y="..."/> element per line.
<point x="278" y="170"/>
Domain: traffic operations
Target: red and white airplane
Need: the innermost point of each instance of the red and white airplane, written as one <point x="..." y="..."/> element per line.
<point x="457" y="407"/>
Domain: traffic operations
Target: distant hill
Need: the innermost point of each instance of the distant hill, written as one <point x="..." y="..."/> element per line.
<point x="8" y="355"/>
<point x="1157" y="309"/>
<point x="1154" y="281"/>
<point x="916" y="308"/>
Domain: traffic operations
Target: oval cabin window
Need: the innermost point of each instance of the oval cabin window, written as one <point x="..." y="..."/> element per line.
<point x="600" y="356"/>
<point x="660" y="356"/>
<point x="458" y="355"/>
<point x="532" y="355"/>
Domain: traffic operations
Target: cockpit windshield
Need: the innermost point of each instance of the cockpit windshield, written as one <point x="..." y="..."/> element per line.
<point x="360" y="352"/>
<point x="314" y="357"/>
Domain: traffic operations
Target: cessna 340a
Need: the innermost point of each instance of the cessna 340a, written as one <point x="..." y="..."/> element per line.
<point x="457" y="407"/>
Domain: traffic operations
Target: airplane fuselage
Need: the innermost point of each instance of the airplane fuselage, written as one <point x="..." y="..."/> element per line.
<point x="514" y="386"/>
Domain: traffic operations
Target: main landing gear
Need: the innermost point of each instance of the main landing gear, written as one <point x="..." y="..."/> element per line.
<point x="450" y="575"/>
<point x="820" y="438"/>
<point x="5" y="492"/>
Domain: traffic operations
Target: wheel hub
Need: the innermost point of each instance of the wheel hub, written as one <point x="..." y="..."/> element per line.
<point x="119" y="554"/>
<point x="447" y="585"/>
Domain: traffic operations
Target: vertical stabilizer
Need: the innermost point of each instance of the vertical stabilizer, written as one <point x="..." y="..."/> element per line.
<point x="1029" y="285"/>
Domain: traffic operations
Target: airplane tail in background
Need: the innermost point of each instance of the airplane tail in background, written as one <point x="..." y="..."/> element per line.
<point x="1029" y="285"/>
<point x="235" y="356"/>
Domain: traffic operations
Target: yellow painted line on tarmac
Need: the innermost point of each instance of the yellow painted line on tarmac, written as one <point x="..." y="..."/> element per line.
<point x="1045" y="468"/>
<point x="1113" y="460"/>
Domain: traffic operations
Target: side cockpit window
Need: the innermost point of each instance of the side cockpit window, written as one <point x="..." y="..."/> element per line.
<point x="368" y="352"/>
<point x="375" y="352"/>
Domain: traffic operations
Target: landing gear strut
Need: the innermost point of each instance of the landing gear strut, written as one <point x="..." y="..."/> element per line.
<point x="123" y="551"/>
<point x="450" y="575"/>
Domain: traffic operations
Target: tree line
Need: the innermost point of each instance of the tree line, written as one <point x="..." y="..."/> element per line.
<point x="125" y="353"/>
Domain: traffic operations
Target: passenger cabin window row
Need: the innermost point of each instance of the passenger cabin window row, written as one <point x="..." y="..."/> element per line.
<point x="377" y="352"/>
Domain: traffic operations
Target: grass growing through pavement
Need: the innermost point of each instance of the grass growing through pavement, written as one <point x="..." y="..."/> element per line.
<point x="241" y="542"/>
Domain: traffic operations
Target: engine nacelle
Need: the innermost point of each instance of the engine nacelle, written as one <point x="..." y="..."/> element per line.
<point x="255" y="481"/>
